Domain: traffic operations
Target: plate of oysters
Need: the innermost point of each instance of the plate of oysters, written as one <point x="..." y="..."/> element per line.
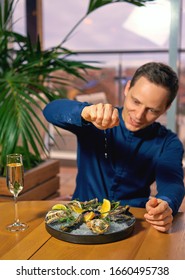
<point x="90" y="222"/>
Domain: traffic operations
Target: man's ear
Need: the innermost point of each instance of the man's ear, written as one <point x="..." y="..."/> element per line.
<point x="127" y="87"/>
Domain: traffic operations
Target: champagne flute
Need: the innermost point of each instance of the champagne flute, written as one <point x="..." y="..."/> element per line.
<point x="15" y="184"/>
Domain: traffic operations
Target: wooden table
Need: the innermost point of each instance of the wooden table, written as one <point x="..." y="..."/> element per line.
<point x="37" y="244"/>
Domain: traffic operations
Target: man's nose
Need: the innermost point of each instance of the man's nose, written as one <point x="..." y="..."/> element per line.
<point x="140" y="113"/>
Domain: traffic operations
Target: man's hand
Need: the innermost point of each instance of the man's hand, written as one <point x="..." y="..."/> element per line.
<point x="159" y="214"/>
<point x="103" y="116"/>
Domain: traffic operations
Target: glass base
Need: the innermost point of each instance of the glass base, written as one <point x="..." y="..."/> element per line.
<point x="17" y="226"/>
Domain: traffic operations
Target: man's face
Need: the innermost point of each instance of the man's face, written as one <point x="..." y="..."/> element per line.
<point x="144" y="103"/>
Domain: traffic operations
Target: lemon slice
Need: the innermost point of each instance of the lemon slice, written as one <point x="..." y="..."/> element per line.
<point x="105" y="208"/>
<point x="59" y="207"/>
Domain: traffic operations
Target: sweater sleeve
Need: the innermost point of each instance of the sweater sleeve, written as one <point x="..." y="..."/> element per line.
<point x="169" y="174"/>
<point x="65" y="113"/>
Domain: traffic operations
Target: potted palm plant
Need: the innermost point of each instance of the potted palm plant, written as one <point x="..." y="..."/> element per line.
<point x="25" y="70"/>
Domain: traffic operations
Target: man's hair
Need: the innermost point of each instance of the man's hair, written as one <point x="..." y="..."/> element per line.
<point x="159" y="74"/>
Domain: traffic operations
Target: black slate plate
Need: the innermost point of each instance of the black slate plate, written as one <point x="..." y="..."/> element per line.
<point x="116" y="234"/>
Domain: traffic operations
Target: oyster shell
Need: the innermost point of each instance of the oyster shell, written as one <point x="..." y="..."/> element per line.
<point x="54" y="215"/>
<point x="98" y="226"/>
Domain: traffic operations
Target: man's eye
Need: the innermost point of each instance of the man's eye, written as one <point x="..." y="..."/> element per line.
<point x="153" y="111"/>
<point x="136" y="101"/>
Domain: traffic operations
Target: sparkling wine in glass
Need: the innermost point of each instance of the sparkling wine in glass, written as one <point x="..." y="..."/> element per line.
<point x="15" y="184"/>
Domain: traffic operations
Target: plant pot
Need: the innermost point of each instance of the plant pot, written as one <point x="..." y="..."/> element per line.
<point x="41" y="182"/>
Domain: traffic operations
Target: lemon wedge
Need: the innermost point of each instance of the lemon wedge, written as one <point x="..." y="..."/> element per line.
<point x="105" y="208"/>
<point x="59" y="207"/>
<point x="76" y="209"/>
<point x="89" y="216"/>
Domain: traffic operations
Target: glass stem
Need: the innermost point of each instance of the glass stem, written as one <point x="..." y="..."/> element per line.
<point x="16" y="210"/>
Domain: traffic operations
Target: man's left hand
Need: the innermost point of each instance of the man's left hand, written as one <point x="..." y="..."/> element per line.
<point x="159" y="214"/>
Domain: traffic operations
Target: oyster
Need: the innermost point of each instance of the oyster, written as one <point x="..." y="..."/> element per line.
<point x="98" y="226"/>
<point x="74" y="203"/>
<point x="120" y="214"/>
<point x="74" y="223"/>
<point x="91" y="204"/>
<point x="54" y="215"/>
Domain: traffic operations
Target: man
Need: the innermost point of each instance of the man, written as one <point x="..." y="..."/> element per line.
<point x="122" y="151"/>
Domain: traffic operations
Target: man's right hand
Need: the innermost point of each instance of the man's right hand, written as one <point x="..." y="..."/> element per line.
<point x="103" y="116"/>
